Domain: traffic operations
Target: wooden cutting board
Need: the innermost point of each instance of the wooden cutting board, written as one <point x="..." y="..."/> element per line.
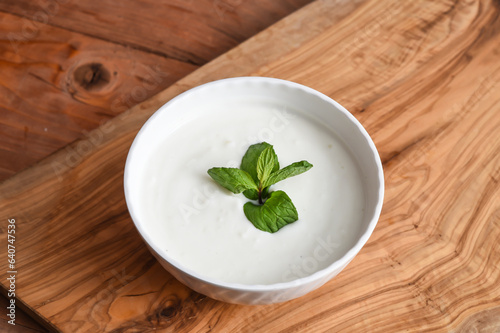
<point x="421" y="76"/>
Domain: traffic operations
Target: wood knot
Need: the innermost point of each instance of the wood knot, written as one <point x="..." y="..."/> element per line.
<point x="92" y="76"/>
<point x="168" y="312"/>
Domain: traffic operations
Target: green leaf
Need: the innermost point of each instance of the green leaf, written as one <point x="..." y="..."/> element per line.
<point x="277" y="212"/>
<point x="293" y="169"/>
<point x="254" y="194"/>
<point x="235" y="180"/>
<point x="265" y="164"/>
<point x="265" y="193"/>
<point x="249" y="161"/>
<point x="251" y="194"/>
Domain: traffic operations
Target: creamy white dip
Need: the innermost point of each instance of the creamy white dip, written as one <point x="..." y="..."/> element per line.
<point x="202" y="225"/>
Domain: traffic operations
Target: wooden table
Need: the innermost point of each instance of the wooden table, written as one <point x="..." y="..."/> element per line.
<point x="421" y="76"/>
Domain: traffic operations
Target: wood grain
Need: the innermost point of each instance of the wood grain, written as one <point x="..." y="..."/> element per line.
<point x="481" y="322"/>
<point x="421" y="76"/>
<point x="24" y="322"/>
<point x="67" y="67"/>
<point x="189" y="31"/>
<point x="59" y="85"/>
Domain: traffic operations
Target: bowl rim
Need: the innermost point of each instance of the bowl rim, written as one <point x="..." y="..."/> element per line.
<point x="338" y="264"/>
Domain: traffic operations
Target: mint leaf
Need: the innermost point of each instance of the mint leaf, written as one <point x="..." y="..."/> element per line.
<point x="277" y="212"/>
<point x="254" y="194"/>
<point x="293" y="169"/>
<point x="265" y="193"/>
<point x="265" y="164"/>
<point x="251" y="194"/>
<point x="249" y="161"/>
<point x="235" y="180"/>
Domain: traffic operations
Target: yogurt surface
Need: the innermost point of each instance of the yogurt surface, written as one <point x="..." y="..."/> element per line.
<point x="202" y="225"/>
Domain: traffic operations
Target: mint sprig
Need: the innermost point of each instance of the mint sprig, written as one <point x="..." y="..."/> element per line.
<point x="274" y="214"/>
<point x="258" y="171"/>
<point x="289" y="171"/>
<point x="235" y="180"/>
<point x="249" y="164"/>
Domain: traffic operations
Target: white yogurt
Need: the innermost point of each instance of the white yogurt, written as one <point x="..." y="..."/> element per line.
<point x="202" y="225"/>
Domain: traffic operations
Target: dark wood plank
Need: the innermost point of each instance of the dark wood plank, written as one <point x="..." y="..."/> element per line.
<point x="194" y="31"/>
<point x="59" y="85"/>
<point x="69" y="66"/>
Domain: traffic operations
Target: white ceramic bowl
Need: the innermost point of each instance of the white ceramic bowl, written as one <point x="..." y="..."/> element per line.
<point x="188" y="106"/>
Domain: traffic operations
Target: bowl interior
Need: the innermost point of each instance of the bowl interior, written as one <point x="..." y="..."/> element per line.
<point x="196" y="102"/>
